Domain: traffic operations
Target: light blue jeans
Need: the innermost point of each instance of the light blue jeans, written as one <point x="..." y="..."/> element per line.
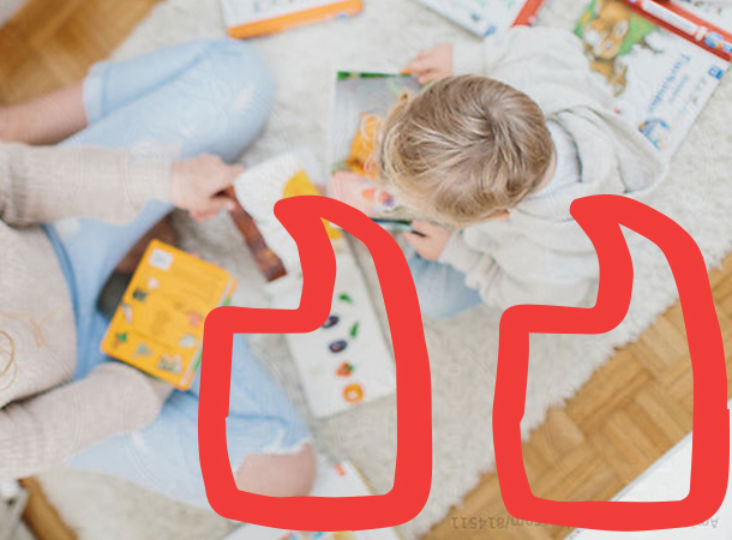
<point x="441" y="288"/>
<point x="200" y="97"/>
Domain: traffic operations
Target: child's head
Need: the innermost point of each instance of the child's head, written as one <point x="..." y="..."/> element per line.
<point x="465" y="149"/>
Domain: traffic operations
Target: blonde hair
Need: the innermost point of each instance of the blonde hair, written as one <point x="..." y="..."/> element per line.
<point x="469" y="147"/>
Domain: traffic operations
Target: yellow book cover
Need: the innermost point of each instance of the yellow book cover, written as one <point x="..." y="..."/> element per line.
<point x="158" y="326"/>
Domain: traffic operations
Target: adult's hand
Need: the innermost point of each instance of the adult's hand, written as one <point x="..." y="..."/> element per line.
<point x="197" y="185"/>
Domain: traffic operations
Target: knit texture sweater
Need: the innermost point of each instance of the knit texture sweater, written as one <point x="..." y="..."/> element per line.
<point x="539" y="255"/>
<point x="45" y="418"/>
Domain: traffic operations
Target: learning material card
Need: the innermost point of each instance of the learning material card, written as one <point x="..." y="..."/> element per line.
<point x="346" y="362"/>
<point x="341" y="480"/>
<point x="485" y="17"/>
<point x="158" y="326"/>
<point x="250" y="18"/>
<point x="361" y="102"/>
<point x="660" y="80"/>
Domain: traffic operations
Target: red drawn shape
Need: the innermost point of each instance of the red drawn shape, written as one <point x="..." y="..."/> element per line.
<point x="302" y="217"/>
<point x="601" y="217"/>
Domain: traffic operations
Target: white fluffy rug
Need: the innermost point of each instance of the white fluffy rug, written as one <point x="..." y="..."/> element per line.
<point x="462" y="351"/>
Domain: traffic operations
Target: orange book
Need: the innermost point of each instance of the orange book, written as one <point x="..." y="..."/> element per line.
<point x="158" y="326"/>
<point x="250" y="18"/>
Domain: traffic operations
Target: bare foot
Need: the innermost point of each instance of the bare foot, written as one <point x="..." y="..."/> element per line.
<point x="162" y="231"/>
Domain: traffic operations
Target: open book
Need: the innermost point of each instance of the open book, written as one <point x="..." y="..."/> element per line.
<point x="660" y="76"/>
<point x="361" y="102"/>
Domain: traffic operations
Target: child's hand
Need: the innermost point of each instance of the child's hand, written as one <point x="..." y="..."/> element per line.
<point x="432" y="64"/>
<point x="197" y="183"/>
<point x="431" y="245"/>
<point x="361" y="193"/>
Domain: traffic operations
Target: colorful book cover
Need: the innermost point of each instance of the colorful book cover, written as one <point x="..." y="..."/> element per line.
<point x="250" y="18"/>
<point x="485" y="17"/>
<point x="361" y="102"/>
<point x="340" y="480"/>
<point x="158" y="326"/>
<point x="660" y="81"/>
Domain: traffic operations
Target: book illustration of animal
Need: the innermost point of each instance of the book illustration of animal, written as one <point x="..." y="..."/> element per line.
<point x="611" y="30"/>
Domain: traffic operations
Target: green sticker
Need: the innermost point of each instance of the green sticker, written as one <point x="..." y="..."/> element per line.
<point x="354" y="329"/>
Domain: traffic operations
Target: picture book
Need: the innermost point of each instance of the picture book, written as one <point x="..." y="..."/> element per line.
<point x="660" y="80"/>
<point x="250" y="18"/>
<point x="485" y="17"/>
<point x="158" y="326"/>
<point x="340" y="480"/>
<point x="361" y="101"/>
<point x="346" y="362"/>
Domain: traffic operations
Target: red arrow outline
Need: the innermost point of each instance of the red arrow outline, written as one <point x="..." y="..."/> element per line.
<point x="601" y="217"/>
<point x="302" y="217"/>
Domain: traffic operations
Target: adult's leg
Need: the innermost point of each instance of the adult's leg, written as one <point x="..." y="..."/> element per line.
<point x="441" y="289"/>
<point x="216" y="102"/>
<point x="267" y="440"/>
<point x="203" y="97"/>
<point x="44" y="120"/>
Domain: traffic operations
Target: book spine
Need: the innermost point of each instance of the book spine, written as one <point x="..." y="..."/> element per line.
<point x="527" y="15"/>
<point x="686" y="25"/>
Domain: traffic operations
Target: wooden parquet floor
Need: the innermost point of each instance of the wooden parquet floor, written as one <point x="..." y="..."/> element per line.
<point x="631" y="412"/>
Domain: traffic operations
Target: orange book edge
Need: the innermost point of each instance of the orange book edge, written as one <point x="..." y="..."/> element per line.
<point x="285" y="22"/>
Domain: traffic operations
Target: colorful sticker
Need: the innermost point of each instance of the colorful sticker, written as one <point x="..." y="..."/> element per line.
<point x="194" y="318"/>
<point x="140" y="295"/>
<point x="119" y="339"/>
<point x="338" y="346"/>
<point x="161" y="259"/>
<point x="171" y="364"/>
<point x="354" y="330"/>
<point x="142" y="350"/>
<point x="353" y="393"/>
<point x="332" y="321"/>
<point x="188" y="341"/>
<point x="127" y="312"/>
<point x="345" y="370"/>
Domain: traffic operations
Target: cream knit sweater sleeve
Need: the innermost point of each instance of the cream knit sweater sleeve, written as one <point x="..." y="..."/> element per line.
<point x="50" y="428"/>
<point x="42" y="184"/>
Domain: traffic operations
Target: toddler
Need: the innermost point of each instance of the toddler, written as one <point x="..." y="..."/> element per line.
<point x="490" y="156"/>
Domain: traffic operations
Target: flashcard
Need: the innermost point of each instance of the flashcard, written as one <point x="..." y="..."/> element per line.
<point x="346" y="362"/>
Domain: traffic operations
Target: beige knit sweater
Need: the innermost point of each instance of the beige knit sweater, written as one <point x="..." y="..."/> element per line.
<point x="45" y="418"/>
